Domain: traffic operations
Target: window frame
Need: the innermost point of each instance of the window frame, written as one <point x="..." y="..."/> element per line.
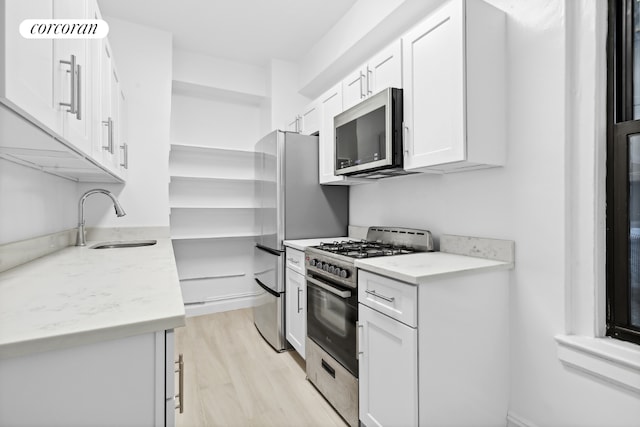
<point x="620" y="124"/>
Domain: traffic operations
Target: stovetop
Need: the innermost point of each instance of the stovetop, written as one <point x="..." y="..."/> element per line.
<point x="364" y="249"/>
<point x="336" y="260"/>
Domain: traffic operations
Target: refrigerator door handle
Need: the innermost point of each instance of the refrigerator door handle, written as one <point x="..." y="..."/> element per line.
<point x="272" y="251"/>
<point x="268" y="289"/>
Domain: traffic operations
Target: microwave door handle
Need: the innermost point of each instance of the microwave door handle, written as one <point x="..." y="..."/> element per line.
<point x="329" y="288"/>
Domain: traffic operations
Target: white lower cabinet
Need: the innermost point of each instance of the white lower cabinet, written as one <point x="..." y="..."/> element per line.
<point x="388" y="366"/>
<point x="296" y="301"/>
<point x="126" y="381"/>
<point x="433" y="354"/>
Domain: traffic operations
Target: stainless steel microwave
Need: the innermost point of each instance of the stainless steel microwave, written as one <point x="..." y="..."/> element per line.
<point x="368" y="137"/>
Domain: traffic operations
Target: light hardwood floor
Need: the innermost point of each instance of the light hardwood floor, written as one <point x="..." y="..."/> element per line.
<point x="234" y="378"/>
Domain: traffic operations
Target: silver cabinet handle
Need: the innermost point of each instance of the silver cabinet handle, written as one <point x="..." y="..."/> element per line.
<point x="405" y="138"/>
<point x="369" y="78"/>
<point x="293" y="260"/>
<point x="180" y="371"/>
<point x="361" y="85"/>
<point x="72" y="104"/>
<point x="125" y="151"/>
<point x="375" y="294"/>
<point x="299" y="292"/>
<point x="79" y="93"/>
<point x="359" y="327"/>
<point x="109" y="124"/>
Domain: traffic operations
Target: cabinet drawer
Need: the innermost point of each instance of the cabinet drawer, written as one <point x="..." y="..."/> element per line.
<point x="295" y="260"/>
<point x="336" y="384"/>
<point x="391" y="297"/>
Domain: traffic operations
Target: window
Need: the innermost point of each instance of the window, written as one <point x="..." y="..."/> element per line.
<point x="623" y="171"/>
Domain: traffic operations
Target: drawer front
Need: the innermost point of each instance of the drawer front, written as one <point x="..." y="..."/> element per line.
<point x="295" y="260"/>
<point x="396" y="299"/>
<point x="336" y="384"/>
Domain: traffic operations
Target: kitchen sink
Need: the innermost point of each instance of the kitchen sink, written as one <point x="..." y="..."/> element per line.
<point x="124" y="244"/>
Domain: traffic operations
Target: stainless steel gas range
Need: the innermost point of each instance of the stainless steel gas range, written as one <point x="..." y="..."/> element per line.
<point x="332" y="309"/>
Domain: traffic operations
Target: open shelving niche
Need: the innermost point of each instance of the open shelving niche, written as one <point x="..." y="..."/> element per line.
<point x="212" y="216"/>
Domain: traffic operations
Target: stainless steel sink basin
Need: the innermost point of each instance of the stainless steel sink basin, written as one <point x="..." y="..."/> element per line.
<point x="124" y="244"/>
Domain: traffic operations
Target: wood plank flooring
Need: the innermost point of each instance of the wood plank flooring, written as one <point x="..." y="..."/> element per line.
<point x="234" y="378"/>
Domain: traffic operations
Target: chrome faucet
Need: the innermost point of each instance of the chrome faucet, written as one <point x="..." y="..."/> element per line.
<point x="80" y="239"/>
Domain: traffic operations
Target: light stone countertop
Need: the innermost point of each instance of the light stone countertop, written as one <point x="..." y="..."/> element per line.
<point x="302" y="244"/>
<point x="420" y="268"/>
<point x="79" y="296"/>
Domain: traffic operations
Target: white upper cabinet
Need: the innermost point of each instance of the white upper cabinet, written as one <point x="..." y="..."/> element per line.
<point x="382" y="71"/>
<point x="293" y="125"/>
<point x="72" y="77"/>
<point x="310" y="119"/>
<point x="307" y="122"/>
<point x="27" y="74"/>
<point x="454" y="89"/>
<point x="122" y="144"/>
<point x="330" y="104"/>
<point x="58" y="87"/>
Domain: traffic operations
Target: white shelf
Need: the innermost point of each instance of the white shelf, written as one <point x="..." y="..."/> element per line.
<point x="208" y="163"/>
<point x="214" y="236"/>
<point x="212" y="179"/>
<point x="208" y="150"/>
<point x="204" y="207"/>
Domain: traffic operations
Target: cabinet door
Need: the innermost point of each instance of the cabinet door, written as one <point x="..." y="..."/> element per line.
<point x="388" y="370"/>
<point x="296" y="318"/>
<point x="115" y="118"/>
<point x="434" y="98"/>
<point x="122" y="144"/>
<point x="310" y="119"/>
<point x="68" y="83"/>
<point x="330" y="106"/>
<point x="170" y="390"/>
<point x="104" y="121"/>
<point x="353" y="88"/>
<point x="108" y="383"/>
<point x="385" y="69"/>
<point x="28" y="63"/>
<point x="293" y="125"/>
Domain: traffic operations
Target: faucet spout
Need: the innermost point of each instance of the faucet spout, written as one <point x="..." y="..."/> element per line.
<point x="80" y="238"/>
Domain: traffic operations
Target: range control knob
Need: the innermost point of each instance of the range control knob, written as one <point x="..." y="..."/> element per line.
<point x="319" y="265"/>
<point x="313" y="262"/>
<point x="326" y="266"/>
<point x="332" y="269"/>
<point x="344" y="274"/>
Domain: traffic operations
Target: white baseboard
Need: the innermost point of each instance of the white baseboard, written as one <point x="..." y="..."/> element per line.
<point x="218" y="305"/>
<point x="514" y="420"/>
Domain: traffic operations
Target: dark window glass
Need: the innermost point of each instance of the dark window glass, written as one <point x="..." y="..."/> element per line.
<point x="634" y="230"/>
<point x="623" y="171"/>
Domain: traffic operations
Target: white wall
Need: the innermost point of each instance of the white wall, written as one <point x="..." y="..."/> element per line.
<point x="213" y="122"/>
<point x="204" y="70"/>
<point x="526" y="202"/>
<point x="34" y="203"/>
<point x="143" y="58"/>
<point x="286" y="102"/>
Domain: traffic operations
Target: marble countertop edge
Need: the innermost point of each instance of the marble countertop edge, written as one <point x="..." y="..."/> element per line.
<point x="68" y="340"/>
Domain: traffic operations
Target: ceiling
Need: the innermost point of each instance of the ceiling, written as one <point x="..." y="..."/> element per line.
<point x="250" y="31"/>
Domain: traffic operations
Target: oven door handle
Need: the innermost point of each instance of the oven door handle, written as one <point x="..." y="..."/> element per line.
<point x="329" y="288"/>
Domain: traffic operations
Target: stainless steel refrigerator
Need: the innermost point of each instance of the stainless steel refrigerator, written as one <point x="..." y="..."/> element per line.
<point x="292" y="205"/>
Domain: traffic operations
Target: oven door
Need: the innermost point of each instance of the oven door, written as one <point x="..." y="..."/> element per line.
<point x="332" y="313"/>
